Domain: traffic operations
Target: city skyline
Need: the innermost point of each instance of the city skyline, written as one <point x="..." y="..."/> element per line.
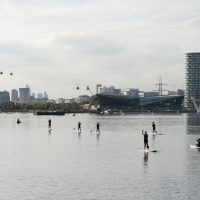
<point x="129" y="44"/>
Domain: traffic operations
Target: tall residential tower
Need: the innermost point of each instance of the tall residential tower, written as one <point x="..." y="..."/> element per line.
<point x="192" y="78"/>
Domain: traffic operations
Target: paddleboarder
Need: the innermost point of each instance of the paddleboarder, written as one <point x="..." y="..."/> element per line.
<point x="146" y="145"/>
<point x="154" y="127"/>
<point x="198" y="142"/>
<point x="49" y="123"/>
<point x="79" y="126"/>
<point x="18" y="121"/>
<point x="98" y="127"/>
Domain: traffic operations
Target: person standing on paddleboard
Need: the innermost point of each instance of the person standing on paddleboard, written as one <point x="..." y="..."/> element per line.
<point x="198" y="142"/>
<point x="146" y="145"/>
<point x="49" y="123"/>
<point x="98" y="127"/>
<point x="79" y="126"/>
<point x="154" y="127"/>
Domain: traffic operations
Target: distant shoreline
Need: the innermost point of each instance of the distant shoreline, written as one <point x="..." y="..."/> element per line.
<point x="118" y="112"/>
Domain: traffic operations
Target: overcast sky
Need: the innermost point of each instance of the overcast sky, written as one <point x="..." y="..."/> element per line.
<point x="53" y="45"/>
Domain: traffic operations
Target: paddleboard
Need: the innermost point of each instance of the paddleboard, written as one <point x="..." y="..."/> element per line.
<point x="156" y="134"/>
<point x="148" y="151"/>
<point x="192" y="146"/>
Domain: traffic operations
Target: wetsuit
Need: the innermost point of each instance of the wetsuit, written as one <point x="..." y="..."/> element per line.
<point x="49" y="123"/>
<point x="18" y="121"/>
<point x="198" y="144"/>
<point x="98" y="125"/>
<point x="154" y="127"/>
<point x="146" y="145"/>
<point x="79" y="126"/>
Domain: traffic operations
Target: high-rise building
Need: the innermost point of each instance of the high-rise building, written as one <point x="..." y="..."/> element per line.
<point x="33" y="94"/>
<point x="14" y="96"/>
<point x="24" y="95"/>
<point x="40" y="96"/>
<point x="4" y="97"/>
<point x="45" y="95"/>
<point x="192" y="78"/>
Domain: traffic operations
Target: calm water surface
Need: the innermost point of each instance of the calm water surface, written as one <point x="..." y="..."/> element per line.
<point x="62" y="164"/>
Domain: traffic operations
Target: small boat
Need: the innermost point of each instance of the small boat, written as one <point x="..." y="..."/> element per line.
<point x="49" y="112"/>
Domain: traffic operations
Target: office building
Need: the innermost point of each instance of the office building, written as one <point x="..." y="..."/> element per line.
<point x="40" y="96"/>
<point x="24" y="95"/>
<point x="45" y="95"/>
<point x="14" y="96"/>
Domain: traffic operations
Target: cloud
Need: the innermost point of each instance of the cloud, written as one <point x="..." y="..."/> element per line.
<point x="31" y="2"/>
<point x="26" y="52"/>
<point x="90" y="44"/>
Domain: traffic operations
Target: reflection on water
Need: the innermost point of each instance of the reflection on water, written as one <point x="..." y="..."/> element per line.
<point x="35" y="164"/>
<point x="193" y="124"/>
<point x="146" y="157"/>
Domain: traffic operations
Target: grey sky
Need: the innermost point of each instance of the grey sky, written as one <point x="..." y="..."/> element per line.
<point x="55" y="45"/>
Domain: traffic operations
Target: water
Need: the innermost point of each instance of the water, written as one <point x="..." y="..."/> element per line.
<point x="62" y="165"/>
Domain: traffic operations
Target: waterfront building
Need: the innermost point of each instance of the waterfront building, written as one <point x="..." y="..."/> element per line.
<point x="14" y="96"/>
<point x="83" y="98"/>
<point x="4" y="97"/>
<point x="24" y="95"/>
<point x="180" y="92"/>
<point x="110" y="90"/>
<point x="151" y="94"/>
<point x="192" y="78"/>
<point x="60" y="101"/>
<point x="133" y="92"/>
<point x="37" y="101"/>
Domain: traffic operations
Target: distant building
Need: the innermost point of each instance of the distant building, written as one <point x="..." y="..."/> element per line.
<point x="4" y="97"/>
<point x="60" y="100"/>
<point x="33" y="95"/>
<point x="14" y="96"/>
<point x="110" y="90"/>
<point x="51" y="101"/>
<point x="133" y="92"/>
<point x="180" y="92"/>
<point x="172" y="92"/>
<point x="45" y="95"/>
<point x="83" y="98"/>
<point x="24" y="95"/>
<point x="151" y="94"/>
<point x="37" y="101"/>
<point x="40" y="96"/>
<point x="192" y="78"/>
<point x="73" y="100"/>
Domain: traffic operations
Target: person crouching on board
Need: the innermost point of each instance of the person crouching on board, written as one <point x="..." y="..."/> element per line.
<point x="18" y="121"/>
<point x="198" y="142"/>
<point x="146" y="145"/>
